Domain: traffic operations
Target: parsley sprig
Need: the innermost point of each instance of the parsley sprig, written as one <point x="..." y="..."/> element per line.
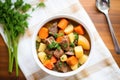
<point x="14" y="24"/>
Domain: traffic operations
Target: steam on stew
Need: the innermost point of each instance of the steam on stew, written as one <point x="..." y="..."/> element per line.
<point x="62" y="45"/>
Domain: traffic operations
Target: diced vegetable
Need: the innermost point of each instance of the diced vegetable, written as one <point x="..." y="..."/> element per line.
<point x="74" y="67"/>
<point x="63" y="58"/>
<point x="38" y="39"/>
<point x="83" y="59"/>
<point x="53" y="59"/>
<point x="72" y="60"/>
<point x="63" y="24"/>
<point x="59" y="39"/>
<point x="42" y="47"/>
<point x="69" y="29"/>
<point x="79" y="29"/>
<point x="82" y="41"/>
<point x="71" y="37"/>
<point x="43" y="33"/>
<point x="78" y="51"/>
<point x="42" y="56"/>
<point x="48" y="64"/>
<point x="61" y="31"/>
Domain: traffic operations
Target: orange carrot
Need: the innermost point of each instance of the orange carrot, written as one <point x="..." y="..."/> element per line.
<point x="59" y="39"/>
<point x="79" y="29"/>
<point x="72" y="60"/>
<point x="61" y="31"/>
<point x="53" y="59"/>
<point x="48" y="64"/>
<point x="43" y="33"/>
<point x="63" y="24"/>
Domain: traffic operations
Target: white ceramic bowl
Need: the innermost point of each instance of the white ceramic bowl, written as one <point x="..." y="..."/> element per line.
<point x="55" y="73"/>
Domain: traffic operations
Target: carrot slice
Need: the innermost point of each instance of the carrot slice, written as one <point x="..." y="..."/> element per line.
<point x="79" y="29"/>
<point x="61" y="31"/>
<point x="72" y="60"/>
<point x="48" y="64"/>
<point x="43" y="33"/>
<point x="59" y="39"/>
<point x="63" y="24"/>
<point x="53" y="59"/>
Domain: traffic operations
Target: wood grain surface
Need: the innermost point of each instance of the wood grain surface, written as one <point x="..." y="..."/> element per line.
<point x="100" y="23"/>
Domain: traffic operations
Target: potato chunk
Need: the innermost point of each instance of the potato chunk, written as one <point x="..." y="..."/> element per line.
<point x="71" y="37"/>
<point x="78" y="51"/>
<point x="74" y="67"/>
<point x="82" y="41"/>
<point x="83" y="59"/>
<point x="42" y="47"/>
<point x="68" y="29"/>
<point x="63" y="58"/>
<point x="38" y="39"/>
<point x="42" y="56"/>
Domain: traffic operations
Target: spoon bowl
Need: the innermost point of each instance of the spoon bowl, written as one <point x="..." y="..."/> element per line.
<point x="103" y="6"/>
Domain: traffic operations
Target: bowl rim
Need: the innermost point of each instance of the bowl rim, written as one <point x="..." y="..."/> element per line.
<point x="34" y="52"/>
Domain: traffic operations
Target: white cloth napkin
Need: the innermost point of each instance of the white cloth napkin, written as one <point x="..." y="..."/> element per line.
<point x="100" y="67"/>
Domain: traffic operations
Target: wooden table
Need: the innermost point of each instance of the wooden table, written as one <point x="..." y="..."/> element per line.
<point x="100" y="23"/>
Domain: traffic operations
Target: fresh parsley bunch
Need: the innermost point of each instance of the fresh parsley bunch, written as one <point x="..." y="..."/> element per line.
<point x="14" y="21"/>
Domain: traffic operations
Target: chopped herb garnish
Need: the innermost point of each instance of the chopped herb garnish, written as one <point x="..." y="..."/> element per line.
<point x="37" y="44"/>
<point x="76" y="36"/>
<point x="65" y="45"/>
<point x="60" y="34"/>
<point x="60" y="64"/>
<point x="56" y="35"/>
<point x="49" y="56"/>
<point x="41" y="4"/>
<point x="72" y="45"/>
<point x="54" y="45"/>
<point x="79" y="65"/>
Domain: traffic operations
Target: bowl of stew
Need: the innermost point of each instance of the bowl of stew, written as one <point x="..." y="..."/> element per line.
<point x="62" y="45"/>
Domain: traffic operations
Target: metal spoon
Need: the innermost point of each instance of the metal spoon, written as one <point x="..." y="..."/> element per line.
<point x="103" y="6"/>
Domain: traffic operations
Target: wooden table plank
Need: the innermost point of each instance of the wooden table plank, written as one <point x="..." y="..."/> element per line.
<point x="100" y="23"/>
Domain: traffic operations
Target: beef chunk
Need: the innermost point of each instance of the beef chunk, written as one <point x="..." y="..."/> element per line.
<point x="62" y="66"/>
<point x="69" y="53"/>
<point x="49" y="40"/>
<point x="65" y="43"/>
<point x="58" y="53"/>
<point x="47" y="51"/>
<point x="53" y="29"/>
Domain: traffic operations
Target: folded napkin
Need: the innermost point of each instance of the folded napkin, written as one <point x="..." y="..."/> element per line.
<point x="100" y="67"/>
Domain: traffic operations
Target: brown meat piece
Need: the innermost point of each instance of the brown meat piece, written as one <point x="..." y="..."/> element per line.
<point x="65" y="43"/>
<point x="49" y="40"/>
<point x="69" y="53"/>
<point x="58" y="53"/>
<point x="53" y="29"/>
<point x="62" y="66"/>
<point x="47" y="51"/>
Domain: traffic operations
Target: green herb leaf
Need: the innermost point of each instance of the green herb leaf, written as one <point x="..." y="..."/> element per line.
<point x="54" y="45"/>
<point x="41" y="4"/>
<point x="26" y="7"/>
<point x="76" y="36"/>
<point x="72" y="45"/>
<point x="18" y="4"/>
<point x="56" y="35"/>
<point x="60" y="64"/>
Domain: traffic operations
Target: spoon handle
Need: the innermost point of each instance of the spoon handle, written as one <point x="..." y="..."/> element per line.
<point x="116" y="44"/>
